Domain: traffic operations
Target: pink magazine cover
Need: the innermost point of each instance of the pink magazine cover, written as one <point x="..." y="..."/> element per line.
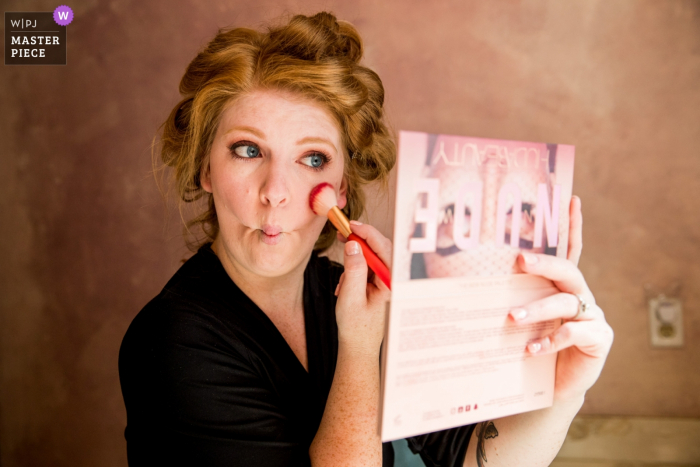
<point x="465" y="208"/>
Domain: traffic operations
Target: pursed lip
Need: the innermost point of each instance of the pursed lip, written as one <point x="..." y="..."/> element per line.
<point x="271" y="234"/>
<point x="271" y="230"/>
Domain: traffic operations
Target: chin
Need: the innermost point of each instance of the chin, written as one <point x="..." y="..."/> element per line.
<point x="279" y="258"/>
<point x="274" y="265"/>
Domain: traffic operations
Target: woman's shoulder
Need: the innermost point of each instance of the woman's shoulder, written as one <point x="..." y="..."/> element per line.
<point x="194" y="283"/>
<point x="200" y="303"/>
<point x="198" y="279"/>
<point x="196" y="302"/>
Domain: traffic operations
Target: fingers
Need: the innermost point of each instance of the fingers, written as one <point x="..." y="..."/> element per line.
<point x="593" y="338"/>
<point x="557" y="306"/>
<point x="370" y="278"/>
<point x="352" y="289"/>
<point x="360" y="308"/>
<point x="575" y="230"/>
<point x="563" y="273"/>
<point x="379" y="243"/>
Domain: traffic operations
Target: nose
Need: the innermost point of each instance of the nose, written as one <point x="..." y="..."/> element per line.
<point x="274" y="191"/>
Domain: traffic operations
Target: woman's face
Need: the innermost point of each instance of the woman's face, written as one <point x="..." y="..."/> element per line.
<point x="271" y="148"/>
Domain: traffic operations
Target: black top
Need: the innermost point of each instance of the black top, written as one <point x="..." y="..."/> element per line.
<point x="208" y="379"/>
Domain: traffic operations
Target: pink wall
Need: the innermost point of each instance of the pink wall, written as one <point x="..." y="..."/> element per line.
<point x="86" y="240"/>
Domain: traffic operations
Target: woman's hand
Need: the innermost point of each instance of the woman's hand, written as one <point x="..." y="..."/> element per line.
<point x="362" y="297"/>
<point x="348" y="432"/>
<point x="584" y="340"/>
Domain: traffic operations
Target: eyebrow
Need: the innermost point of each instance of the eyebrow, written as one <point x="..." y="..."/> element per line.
<point x="261" y="135"/>
<point x="314" y="139"/>
<point x="249" y="129"/>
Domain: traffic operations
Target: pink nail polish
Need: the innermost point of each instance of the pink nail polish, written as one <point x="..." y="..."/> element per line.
<point x="534" y="347"/>
<point x="353" y="222"/>
<point x="530" y="258"/>
<point x="352" y="248"/>
<point x="518" y="313"/>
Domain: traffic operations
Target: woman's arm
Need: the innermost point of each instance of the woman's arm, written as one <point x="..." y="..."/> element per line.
<point x="583" y="343"/>
<point x="531" y="438"/>
<point x="349" y="431"/>
<point x="349" y="434"/>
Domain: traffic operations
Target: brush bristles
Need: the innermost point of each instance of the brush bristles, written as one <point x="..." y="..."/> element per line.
<point x="322" y="199"/>
<point x="323" y="202"/>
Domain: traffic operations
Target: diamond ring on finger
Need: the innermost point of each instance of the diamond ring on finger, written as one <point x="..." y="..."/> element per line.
<point x="583" y="306"/>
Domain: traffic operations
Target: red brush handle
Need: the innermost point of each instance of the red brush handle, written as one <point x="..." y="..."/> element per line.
<point x="373" y="261"/>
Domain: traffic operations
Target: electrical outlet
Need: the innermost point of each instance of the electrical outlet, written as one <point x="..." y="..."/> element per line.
<point x="666" y="321"/>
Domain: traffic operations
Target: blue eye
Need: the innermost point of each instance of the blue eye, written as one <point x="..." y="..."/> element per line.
<point x="247" y="151"/>
<point x="315" y="160"/>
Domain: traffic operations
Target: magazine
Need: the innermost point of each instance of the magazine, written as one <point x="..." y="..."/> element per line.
<point x="465" y="208"/>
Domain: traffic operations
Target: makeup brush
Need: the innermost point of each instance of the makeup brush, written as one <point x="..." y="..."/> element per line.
<point x="323" y="202"/>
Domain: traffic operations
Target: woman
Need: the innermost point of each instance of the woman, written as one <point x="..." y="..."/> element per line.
<point x="259" y="352"/>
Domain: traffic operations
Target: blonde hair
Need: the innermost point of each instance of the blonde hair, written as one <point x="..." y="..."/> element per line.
<point x="315" y="57"/>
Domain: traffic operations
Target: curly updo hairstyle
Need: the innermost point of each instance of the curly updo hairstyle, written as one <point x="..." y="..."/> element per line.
<point x="315" y="57"/>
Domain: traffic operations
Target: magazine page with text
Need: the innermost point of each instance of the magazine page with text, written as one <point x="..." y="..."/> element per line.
<point x="465" y="208"/>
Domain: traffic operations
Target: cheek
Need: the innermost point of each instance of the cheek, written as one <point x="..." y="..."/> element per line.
<point x="237" y="194"/>
<point x="335" y="179"/>
<point x="297" y="213"/>
<point x="342" y="190"/>
<point x="342" y="200"/>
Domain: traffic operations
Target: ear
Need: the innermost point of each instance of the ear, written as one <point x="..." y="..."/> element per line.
<point x="343" y="193"/>
<point x="205" y="177"/>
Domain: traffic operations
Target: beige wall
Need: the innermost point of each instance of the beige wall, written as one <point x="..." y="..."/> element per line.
<point x="621" y="441"/>
<point x="85" y="243"/>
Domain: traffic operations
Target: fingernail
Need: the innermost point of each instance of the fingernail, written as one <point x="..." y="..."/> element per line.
<point x="336" y="289"/>
<point x="352" y="248"/>
<point x="518" y="313"/>
<point x="530" y="258"/>
<point x="356" y="222"/>
<point x="534" y="347"/>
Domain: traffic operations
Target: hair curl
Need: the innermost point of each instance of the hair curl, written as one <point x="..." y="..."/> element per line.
<point x="315" y="57"/>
